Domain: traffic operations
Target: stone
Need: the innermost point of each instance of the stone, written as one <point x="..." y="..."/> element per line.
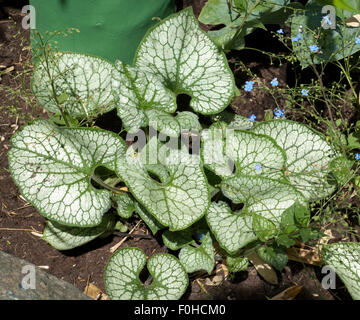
<point x="21" y="280"/>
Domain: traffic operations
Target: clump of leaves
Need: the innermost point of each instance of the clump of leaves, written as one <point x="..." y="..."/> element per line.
<point x="71" y="174"/>
<point x="314" y="44"/>
<point x="238" y="18"/>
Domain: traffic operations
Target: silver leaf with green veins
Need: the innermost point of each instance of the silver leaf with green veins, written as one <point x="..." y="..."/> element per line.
<point x="245" y="149"/>
<point x="187" y="61"/>
<point x="122" y="276"/>
<point x="82" y="83"/>
<point x="171" y="125"/>
<point x="53" y="167"/>
<point x="177" y="202"/>
<point x="65" y="238"/>
<point x="308" y="156"/>
<point x="200" y="258"/>
<point x="344" y="257"/>
<point x="263" y="196"/>
<point x="232" y="230"/>
<point x="138" y="92"/>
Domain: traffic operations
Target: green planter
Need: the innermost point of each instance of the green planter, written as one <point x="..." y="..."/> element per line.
<point x="111" y="29"/>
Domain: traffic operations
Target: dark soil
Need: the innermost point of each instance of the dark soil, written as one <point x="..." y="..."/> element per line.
<point x="86" y="264"/>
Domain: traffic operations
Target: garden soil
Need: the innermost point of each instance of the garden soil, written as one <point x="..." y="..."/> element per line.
<point x="21" y="225"/>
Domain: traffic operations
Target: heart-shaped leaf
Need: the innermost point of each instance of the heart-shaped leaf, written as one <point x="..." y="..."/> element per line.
<point x="344" y="257"/>
<point x="178" y="202"/>
<point x="65" y="238"/>
<point x="187" y="61"/>
<point x="169" y="279"/>
<point x="198" y="258"/>
<point x="81" y="84"/>
<point x="308" y="156"/>
<point x="233" y="230"/>
<point x="263" y="196"/>
<point x="172" y="126"/>
<point x="53" y="167"/>
<point x="137" y="92"/>
<point x="251" y="153"/>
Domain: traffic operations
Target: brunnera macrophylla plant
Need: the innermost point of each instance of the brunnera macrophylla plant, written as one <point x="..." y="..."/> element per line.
<point x="185" y="188"/>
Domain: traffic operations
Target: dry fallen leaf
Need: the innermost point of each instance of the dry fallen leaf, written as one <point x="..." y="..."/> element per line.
<point x="215" y="280"/>
<point x="218" y="276"/>
<point x="8" y="70"/>
<point x="309" y="256"/>
<point x="225" y="269"/>
<point x="288" y="294"/>
<point x="354" y="21"/>
<point x="263" y="268"/>
<point x="36" y="234"/>
<point x="95" y="293"/>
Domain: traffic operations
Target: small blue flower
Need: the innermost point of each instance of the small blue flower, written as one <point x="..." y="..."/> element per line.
<point x="327" y="20"/>
<point x="249" y="85"/>
<point x="280" y="31"/>
<point x="279" y="113"/>
<point x="357" y="156"/>
<point x="258" y="167"/>
<point x="314" y="48"/>
<point x="305" y="92"/>
<point x="201" y="235"/>
<point x="252" y="117"/>
<point x="274" y="82"/>
<point x="357" y="40"/>
<point x="297" y="38"/>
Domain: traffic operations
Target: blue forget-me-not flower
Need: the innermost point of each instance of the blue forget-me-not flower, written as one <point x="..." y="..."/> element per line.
<point x="314" y="48"/>
<point x="297" y="38"/>
<point x="305" y="92"/>
<point x="274" y="82"/>
<point x="249" y="85"/>
<point x="279" y="113"/>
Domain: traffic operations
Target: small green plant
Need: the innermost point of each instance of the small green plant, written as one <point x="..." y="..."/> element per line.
<point x="238" y="18"/>
<point x="243" y="185"/>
